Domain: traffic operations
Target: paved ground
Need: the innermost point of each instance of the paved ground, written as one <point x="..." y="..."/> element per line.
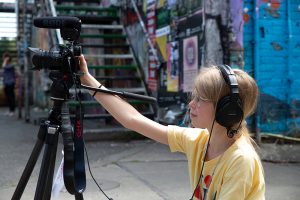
<point x="134" y="170"/>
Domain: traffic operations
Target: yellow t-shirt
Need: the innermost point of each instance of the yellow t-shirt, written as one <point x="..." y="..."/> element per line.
<point x="237" y="174"/>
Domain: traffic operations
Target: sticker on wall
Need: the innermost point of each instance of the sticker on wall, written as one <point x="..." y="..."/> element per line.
<point x="173" y="67"/>
<point x="161" y="3"/>
<point x="190" y="62"/>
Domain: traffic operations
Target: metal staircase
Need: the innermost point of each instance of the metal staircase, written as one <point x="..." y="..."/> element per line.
<point x="111" y="61"/>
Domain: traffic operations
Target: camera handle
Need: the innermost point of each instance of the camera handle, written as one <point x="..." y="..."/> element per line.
<point x="122" y="94"/>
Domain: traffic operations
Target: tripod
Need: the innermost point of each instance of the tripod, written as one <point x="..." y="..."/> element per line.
<point x="48" y="136"/>
<point x="59" y="122"/>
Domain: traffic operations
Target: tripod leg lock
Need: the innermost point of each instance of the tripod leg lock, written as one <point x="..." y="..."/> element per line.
<point x="52" y="131"/>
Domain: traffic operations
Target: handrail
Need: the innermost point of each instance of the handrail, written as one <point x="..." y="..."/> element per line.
<point x="54" y="14"/>
<point x="145" y="32"/>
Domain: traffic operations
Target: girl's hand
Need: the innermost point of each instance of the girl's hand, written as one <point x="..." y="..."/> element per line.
<point x="83" y="68"/>
<point x="83" y="64"/>
<point x="5" y="61"/>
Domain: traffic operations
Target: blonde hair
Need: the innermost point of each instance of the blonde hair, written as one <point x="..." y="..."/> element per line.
<point x="211" y="86"/>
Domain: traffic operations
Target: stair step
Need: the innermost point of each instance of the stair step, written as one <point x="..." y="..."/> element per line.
<point x="117" y="78"/>
<point x="7" y="10"/>
<point x="110" y="134"/>
<point x="9" y="49"/>
<point x="132" y="90"/>
<point x="105" y="133"/>
<point x="113" y="67"/>
<point x="107" y="46"/>
<point x="86" y="8"/>
<point x="110" y="56"/>
<point x="114" y="27"/>
<point x="90" y="19"/>
<point x="103" y="36"/>
<point x="106" y="130"/>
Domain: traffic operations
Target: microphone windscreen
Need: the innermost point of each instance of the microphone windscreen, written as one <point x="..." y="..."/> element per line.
<point x="57" y="22"/>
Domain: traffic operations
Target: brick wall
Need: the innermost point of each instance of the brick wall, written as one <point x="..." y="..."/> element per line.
<point x="272" y="49"/>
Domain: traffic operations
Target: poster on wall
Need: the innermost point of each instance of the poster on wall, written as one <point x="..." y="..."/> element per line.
<point x="190" y="25"/>
<point x="190" y="62"/>
<point x="161" y="41"/>
<point x="173" y="67"/>
<point x="151" y="28"/>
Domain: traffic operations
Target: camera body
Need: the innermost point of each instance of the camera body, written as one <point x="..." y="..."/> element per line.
<point x="56" y="60"/>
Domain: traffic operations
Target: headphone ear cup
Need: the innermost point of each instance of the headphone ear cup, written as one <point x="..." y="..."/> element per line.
<point x="228" y="112"/>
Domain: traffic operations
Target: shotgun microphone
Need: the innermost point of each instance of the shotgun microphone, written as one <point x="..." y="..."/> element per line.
<point x="57" y="22"/>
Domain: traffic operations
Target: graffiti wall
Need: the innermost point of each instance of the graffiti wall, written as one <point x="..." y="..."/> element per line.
<point x="272" y="49"/>
<point x="262" y="37"/>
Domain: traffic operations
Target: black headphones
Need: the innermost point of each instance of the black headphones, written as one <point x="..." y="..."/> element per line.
<point x="229" y="109"/>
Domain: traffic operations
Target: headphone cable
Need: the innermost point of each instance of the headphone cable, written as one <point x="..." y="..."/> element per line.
<point x="211" y="129"/>
<point x="90" y="171"/>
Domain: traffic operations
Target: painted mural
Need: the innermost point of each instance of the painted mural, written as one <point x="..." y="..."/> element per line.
<point x="235" y="37"/>
<point x="271" y="43"/>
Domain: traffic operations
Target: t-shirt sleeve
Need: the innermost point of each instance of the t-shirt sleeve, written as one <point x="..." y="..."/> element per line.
<point x="182" y="138"/>
<point x="243" y="180"/>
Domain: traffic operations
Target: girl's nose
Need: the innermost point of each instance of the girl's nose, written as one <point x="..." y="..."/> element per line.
<point x="192" y="103"/>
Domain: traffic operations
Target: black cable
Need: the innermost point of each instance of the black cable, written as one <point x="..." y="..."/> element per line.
<point x="88" y="162"/>
<point x="211" y="129"/>
<point x="232" y="132"/>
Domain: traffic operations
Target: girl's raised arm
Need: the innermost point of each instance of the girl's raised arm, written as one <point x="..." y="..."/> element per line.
<point x="122" y="111"/>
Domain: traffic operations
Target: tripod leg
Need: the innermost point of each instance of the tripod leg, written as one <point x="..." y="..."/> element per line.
<point x="48" y="186"/>
<point x="31" y="163"/>
<point x="78" y="196"/>
<point x="50" y="143"/>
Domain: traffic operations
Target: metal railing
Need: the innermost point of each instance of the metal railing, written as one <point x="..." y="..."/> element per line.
<point x="54" y="14"/>
<point x="141" y="22"/>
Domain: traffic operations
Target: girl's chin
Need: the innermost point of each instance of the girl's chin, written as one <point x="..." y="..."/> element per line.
<point x="194" y="125"/>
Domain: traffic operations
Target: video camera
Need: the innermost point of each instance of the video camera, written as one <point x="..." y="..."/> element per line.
<point x="64" y="59"/>
<point x="70" y="28"/>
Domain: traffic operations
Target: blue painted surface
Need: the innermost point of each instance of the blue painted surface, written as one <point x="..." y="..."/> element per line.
<point x="272" y="56"/>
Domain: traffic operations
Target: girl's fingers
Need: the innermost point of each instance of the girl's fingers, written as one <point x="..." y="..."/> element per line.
<point x="82" y="60"/>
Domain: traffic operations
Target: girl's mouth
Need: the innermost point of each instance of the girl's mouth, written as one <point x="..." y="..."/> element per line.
<point x="192" y="115"/>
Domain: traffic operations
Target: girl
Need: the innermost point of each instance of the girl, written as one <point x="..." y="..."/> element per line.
<point x="221" y="159"/>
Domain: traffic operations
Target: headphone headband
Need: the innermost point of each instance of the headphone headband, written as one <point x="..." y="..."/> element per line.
<point x="230" y="78"/>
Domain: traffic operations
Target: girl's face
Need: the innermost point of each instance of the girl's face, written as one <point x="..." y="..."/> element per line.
<point x="201" y="113"/>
